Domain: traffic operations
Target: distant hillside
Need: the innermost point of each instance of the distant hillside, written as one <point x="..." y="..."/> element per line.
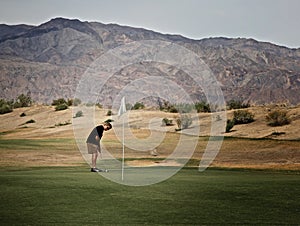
<point x="47" y="61"/>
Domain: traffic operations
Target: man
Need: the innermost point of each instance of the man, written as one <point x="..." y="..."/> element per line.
<point x="93" y="143"/>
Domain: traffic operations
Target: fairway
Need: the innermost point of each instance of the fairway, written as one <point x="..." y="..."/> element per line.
<point x="74" y="196"/>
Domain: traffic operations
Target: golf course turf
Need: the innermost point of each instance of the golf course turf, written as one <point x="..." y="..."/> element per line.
<point x="75" y="196"/>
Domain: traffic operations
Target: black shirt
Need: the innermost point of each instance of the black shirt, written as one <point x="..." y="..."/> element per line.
<point x="97" y="131"/>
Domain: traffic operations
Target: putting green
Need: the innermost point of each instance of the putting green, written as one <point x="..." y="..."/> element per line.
<point x="75" y="196"/>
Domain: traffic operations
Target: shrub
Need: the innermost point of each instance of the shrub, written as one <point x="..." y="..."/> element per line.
<point x="5" y="108"/>
<point x="129" y="106"/>
<point x="202" y="107"/>
<point x="61" y="107"/>
<point x="70" y="102"/>
<point x="78" y="114"/>
<point x="22" y="101"/>
<point x="109" y="113"/>
<point x="242" y="117"/>
<point x="99" y="105"/>
<point x="138" y="105"/>
<point x="237" y="104"/>
<point x="59" y="101"/>
<point x="277" y="118"/>
<point x="167" y="106"/>
<point x="229" y="125"/>
<point x="89" y="104"/>
<point x="22" y="115"/>
<point x="166" y="122"/>
<point x="184" y="122"/>
<point x="76" y="102"/>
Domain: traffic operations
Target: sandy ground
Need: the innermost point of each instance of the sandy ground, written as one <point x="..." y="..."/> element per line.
<point x="279" y="151"/>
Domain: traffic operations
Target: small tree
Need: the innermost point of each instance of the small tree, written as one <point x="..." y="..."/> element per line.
<point x="277" y="118"/>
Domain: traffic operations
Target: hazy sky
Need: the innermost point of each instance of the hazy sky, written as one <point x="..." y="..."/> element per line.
<point x="275" y="21"/>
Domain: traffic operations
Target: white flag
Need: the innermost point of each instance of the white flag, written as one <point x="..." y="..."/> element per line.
<point x="122" y="108"/>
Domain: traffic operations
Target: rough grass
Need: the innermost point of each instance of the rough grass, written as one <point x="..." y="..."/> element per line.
<point x="74" y="196"/>
<point x="235" y="152"/>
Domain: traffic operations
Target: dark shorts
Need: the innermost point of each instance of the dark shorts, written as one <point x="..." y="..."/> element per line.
<point x="92" y="148"/>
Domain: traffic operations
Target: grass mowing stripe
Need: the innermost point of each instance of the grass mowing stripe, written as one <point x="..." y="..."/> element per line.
<point x="74" y="196"/>
<point x="34" y="144"/>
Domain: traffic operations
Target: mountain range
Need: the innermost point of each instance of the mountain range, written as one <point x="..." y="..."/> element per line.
<point x="48" y="61"/>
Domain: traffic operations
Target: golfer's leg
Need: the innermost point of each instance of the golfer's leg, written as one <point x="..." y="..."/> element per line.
<point x="94" y="159"/>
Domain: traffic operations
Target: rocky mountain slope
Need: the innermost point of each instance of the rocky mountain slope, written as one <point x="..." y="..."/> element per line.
<point x="48" y="61"/>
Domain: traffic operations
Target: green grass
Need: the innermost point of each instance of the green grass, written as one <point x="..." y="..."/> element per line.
<point x="35" y="144"/>
<point x="75" y="196"/>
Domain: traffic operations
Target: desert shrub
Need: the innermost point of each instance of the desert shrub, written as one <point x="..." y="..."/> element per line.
<point x="183" y="108"/>
<point x="99" y="105"/>
<point x="22" y="101"/>
<point x="60" y="101"/>
<point x="78" y="114"/>
<point x="22" y="115"/>
<point x="242" y="117"/>
<point x="70" y="102"/>
<point x="89" y="104"/>
<point x="129" y="106"/>
<point x="173" y="109"/>
<point x="167" y="122"/>
<point x="202" y="107"/>
<point x="167" y="106"/>
<point x="5" y="108"/>
<point x="229" y="125"/>
<point x="109" y="113"/>
<point x="138" y="105"/>
<point x="76" y="102"/>
<point x="237" y="104"/>
<point x="61" y="107"/>
<point x="184" y="122"/>
<point x="277" y="118"/>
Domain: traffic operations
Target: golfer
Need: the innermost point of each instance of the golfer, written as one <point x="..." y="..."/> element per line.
<point x="93" y="143"/>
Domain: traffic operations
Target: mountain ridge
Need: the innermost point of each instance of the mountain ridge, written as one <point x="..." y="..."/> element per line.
<point x="48" y="60"/>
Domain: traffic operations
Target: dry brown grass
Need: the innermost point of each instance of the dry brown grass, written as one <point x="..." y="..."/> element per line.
<point x="241" y="148"/>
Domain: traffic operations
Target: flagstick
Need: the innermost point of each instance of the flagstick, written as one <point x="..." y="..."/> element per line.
<point x="123" y="152"/>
